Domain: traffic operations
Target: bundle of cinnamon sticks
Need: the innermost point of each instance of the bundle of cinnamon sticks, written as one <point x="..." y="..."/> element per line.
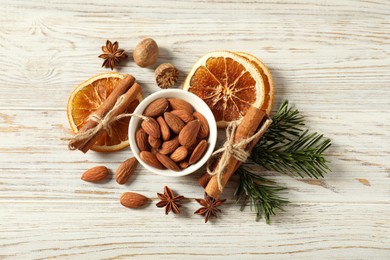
<point x="127" y="89"/>
<point x="251" y="123"/>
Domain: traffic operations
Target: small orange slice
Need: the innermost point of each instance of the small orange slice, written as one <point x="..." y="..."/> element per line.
<point x="228" y="83"/>
<point x="267" y="78"/>
<point x="86" y="99"/>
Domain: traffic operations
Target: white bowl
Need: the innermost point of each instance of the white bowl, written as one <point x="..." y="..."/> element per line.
<point x="198" y="105"/>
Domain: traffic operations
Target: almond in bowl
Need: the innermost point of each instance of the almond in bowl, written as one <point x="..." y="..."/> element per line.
<point x="179" y="135"/>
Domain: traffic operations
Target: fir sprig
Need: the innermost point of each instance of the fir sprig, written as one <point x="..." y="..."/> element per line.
<point x="262" y="194"/>
<point x="286" y="147"/>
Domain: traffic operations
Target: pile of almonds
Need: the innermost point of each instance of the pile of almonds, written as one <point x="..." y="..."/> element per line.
<point x="173" y="136"/>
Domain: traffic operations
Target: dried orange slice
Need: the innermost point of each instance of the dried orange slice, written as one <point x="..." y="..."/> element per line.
<point x="87" y="97"/>
<point x="267" y="78"/>
<point x="228" y="83"/>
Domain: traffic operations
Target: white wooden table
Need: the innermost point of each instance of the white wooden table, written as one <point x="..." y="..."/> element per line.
<point x="330" y="58"/>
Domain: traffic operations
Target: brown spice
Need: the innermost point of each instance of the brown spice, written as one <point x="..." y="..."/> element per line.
<point x="112" y="54"/>
<point x="209" y="207"/>
<point x="166" y="75"/>
<point x="169" y="201"/>
<point x="146" y="52"/>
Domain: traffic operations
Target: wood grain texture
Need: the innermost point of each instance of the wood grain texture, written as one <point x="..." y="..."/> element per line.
<point x="330" y="58"/>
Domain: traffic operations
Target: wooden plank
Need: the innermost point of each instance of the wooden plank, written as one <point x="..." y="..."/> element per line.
<point x="341" y="57"/>
<point x="57" y="229"/>
<point x="41" y="157"/>
<point x="330" y="58"/>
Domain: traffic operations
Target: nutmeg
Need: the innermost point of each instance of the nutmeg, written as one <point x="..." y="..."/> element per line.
<point x="146" y="52"/>
<point x="166" y="75"/>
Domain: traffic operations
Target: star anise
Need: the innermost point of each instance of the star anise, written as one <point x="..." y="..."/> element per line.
<point x="111" y="54"/>
<point x="209" y="208"/>
<point x="169" y="201"/>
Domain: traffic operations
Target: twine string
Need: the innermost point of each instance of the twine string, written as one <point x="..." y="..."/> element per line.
<point x="231" y="149"/>
<point x="103" y="123"/>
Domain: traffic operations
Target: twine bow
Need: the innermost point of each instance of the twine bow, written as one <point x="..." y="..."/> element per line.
<point x="103" y="123"/>
<point x="232" y="149"/>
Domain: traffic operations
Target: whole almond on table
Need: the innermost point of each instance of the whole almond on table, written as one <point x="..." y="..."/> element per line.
<point x="141" y="138"/>
<point x="125" y="170"/>
<point x="151" y="127"/>
<point x="179" y="154"/>
<point x="174" y="122"/>
<point x="204" y="125"/>
<point x="179" y="104"/>
<point x="168" y="147"/>
<point x="156" y="108"/>
<point x="164" y="128"/>
<point x="187" y="135"/>
<point x="198" y="152"/>
<point x="183" y="115"/>
<point x="167" y="162"/>
<point x="95" y="174"/>
<point x="133" y="200"/>
<point x="151" y="159"/>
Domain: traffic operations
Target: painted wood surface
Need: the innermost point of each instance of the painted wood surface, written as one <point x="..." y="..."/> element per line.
<point x="329" y="58"/>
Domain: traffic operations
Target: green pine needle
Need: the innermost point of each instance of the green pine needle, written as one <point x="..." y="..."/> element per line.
<point x="262" y="194"/>
<point x="288" y="148"/>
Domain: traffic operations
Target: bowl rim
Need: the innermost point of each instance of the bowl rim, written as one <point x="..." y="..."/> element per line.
<point x="190" y="98"/>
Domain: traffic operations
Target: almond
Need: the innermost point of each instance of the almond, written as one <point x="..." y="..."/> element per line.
<point x="187" y="135"/>
<point x="164" y="128"/>
<point x="151" y="159"/>
<point x="156" y="108"/>
<point x="198" y="152"/>
<point x="178" y="104"/>
<point x="183" y="115"/>
<point x="151" y="127"/>
<point x="183" y="164"/>
<point x="204" y="125"/>
<point x="167" y="162"/>
<point x="192" y="147"/>
<point x="125" y="170"/>
<point x="154" y="142"/>
<point x="133" y="200"/>
<point x="170" y="146"/>
<point x="95" y="174"/>
<point x="141" y="138"/>
<point x="179" y="154"/>
<point x="174" y="122"/>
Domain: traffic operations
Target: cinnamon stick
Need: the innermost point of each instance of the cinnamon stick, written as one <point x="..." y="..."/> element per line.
<point x="246" y="128"/>
<point x="205" y="178"/>
<point x="129" y="96"/>
<point x="107" y="105"/>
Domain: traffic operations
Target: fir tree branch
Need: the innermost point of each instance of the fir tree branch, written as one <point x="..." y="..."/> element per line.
<point x="263" y="195"/>
<point x="286" y="147"/>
